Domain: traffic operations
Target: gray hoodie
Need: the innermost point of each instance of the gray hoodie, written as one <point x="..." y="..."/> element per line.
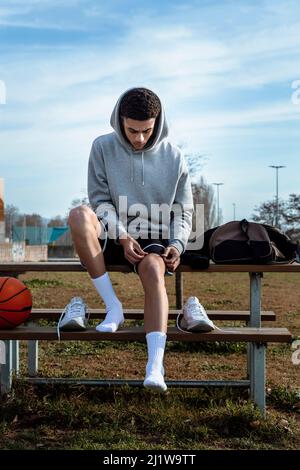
<point x="154" y="180"/>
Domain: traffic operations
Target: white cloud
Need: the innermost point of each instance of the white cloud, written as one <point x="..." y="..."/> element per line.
<point x="33" y="14"/>
<point x="61" y="97"/>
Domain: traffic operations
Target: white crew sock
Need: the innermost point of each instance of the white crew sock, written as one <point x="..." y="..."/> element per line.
<point x="156" y="342"/>
<point x="114" y="311"/>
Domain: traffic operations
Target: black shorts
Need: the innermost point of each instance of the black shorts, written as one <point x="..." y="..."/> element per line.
<point x="114" y="254"/>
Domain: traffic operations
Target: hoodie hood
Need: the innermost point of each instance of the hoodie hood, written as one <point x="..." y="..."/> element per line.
<point x="126" y="186"/>
<point x="162" y="129"/>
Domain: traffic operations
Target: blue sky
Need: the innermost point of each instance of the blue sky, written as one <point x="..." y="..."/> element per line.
<point x="223" y="69"/>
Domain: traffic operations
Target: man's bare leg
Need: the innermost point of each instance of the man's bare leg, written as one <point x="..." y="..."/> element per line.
<point x="156" y="305"/>
<point x="156" y="308"/>
<point x="86" y="229"/>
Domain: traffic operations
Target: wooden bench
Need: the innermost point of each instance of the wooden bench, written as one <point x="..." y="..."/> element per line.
<point x="253" y="334"/>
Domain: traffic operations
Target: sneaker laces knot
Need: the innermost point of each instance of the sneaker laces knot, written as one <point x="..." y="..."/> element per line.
<point x="75" y="309"/>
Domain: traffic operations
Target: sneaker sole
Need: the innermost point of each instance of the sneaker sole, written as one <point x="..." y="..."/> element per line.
<point x="72" y="326"/>
<point x="196" y="326"/>
<point x="200" y="327"/>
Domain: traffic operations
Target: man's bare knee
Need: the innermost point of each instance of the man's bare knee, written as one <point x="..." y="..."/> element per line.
<point x="152" y="268"/>
<point x="83" y="216"/>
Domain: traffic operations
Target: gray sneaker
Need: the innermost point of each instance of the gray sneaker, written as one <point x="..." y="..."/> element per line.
<point x="74" y="315"/>
<point x="195" y="317"/>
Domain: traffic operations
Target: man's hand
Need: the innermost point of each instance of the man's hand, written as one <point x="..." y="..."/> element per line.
<point x="171" y="257"/>
<point x="132" y="250"/>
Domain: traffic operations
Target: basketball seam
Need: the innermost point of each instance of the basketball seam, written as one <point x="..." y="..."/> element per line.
<point x="20" y="292"/>
<point x="7" y="321"/>
<point x="23" y="309"/>
<point x="4" y="283"/>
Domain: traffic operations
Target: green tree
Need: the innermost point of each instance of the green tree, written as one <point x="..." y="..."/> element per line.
<point x="288" y="215"/>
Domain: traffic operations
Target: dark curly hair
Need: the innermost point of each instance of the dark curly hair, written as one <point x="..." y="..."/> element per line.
<point x="140" y="104"/>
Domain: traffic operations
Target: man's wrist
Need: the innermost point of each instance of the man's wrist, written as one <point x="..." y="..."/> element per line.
<point x="176" y="248"/>
<point x="123" y="238"/>
<point x="178" y="245"/>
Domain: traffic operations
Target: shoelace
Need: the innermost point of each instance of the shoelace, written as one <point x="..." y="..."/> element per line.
<point x="196" y="307"/>
<point x="68" y="312"/>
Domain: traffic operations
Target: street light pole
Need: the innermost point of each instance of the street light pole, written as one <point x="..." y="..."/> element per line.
<point x="277" y="167"/>
<point x="218" y="207"/>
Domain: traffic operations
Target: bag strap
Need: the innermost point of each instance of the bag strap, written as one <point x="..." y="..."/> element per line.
<point x="244" y="225"/>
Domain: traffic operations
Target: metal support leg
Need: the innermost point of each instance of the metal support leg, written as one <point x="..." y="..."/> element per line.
<point x="255" y="313"/>
<point x="255" y="299"/>
<point x="179" y="290"/>
<point x="258" y="377"/>
<point x="15" y="356"/>
<point x="33" y="358"/>
<point x="256" y="352"/>
<point x="6" y="369"/>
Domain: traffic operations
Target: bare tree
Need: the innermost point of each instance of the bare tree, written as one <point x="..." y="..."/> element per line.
<point x="203" y="193"/>
<point x="57" y="221"/>
<point x="30" y="220"/>
<point x="195" y="164"/>
<point x="11" y="214"/>
<point x="291" y="216"/>
<point x="79" y="201"/>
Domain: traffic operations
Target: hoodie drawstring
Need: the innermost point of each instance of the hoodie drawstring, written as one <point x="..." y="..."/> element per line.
<point x="143" y="172"/>
<point x="131" y="168"/>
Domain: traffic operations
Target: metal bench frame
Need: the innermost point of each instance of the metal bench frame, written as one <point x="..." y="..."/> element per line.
<point x="256" y="350"/>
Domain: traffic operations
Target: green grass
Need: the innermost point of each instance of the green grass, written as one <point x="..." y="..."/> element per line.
<point x="216" y="347"/>
<point x="284" y="398"/>
<point x="78" y="417"/>
<point x="42" y="283"/>
<point x="127" y="418"/>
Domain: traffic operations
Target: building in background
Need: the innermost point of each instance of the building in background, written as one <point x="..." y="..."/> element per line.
<point x="37" y="235"/>
<point x="32" y="243"/>
<point x="57" y="239"/>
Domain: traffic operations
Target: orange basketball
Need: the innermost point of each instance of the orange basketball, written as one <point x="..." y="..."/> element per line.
<point x="15" y="302"/>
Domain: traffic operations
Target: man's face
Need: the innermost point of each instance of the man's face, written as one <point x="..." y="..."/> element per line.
<point x="138" y="132"/>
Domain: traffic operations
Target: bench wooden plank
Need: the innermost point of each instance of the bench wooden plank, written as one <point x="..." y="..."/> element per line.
<point x="75" y="266"/>
<point x="258" y="335"/>
<point x="137" y="314"/>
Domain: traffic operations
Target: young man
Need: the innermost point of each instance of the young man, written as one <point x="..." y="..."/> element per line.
<point x="133" y="172"/>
